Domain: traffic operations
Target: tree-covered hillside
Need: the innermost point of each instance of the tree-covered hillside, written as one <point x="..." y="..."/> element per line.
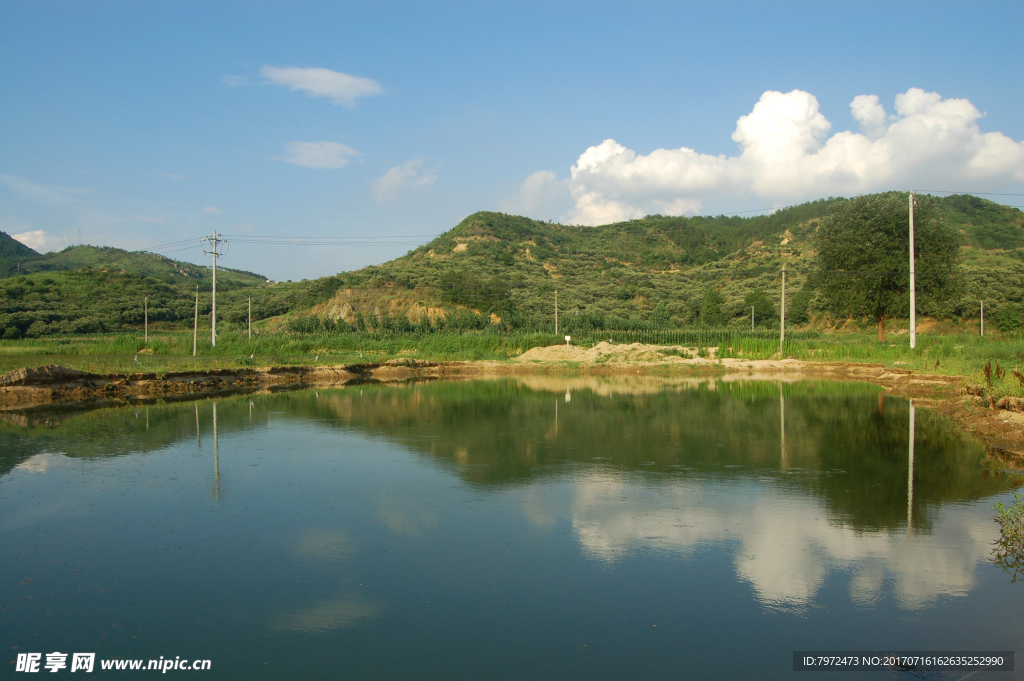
<point x="498" y="269"/>
<point x="664" y="271"/>
<point x="14" y="255"/>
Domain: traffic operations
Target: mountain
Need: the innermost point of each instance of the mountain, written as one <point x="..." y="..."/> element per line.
<point x="655" y="270"/>
<point x="146" y="264"/>
<point x="494" y="268"/>
<point x="13" y="254"/>
<point x="89" y="289"/>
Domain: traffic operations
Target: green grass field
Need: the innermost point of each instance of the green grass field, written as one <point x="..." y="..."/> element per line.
<point x="959" y="354"/>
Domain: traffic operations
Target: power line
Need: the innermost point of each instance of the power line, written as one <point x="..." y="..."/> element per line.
<point x="175" y="250"/>
<point x="376" y="236"/>
<point x="943" y="191"/>
<point x="172" y="243"/>
<point x="294" y="242"/>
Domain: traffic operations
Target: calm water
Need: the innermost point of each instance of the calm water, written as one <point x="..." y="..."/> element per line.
<point x="537" y="528"/>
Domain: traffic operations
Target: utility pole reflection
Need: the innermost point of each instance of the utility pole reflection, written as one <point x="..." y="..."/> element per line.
<point x="782" y="428"/>
<point x="910" y="474"/>
<point x="216" y="457"/>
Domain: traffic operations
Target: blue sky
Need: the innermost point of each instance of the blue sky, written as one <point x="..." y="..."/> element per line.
<point x="147" y="123"/>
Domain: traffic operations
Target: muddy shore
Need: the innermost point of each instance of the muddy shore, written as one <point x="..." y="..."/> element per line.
<point x="999" y="424"/>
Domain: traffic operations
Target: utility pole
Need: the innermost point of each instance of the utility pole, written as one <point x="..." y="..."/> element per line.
<point x="751" y="317"/>
<point x="556" y="312"/>
<point x="214" y="240"/>
<point x="782" y="316"/>
<point x="983" y="318"/>
<point x="145" y="306"/>
<point x="913" y="290"/>
<point x="195" y="330"/>
<point x="250" y="317"/>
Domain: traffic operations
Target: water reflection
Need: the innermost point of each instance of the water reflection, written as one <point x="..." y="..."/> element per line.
<point x="342" y="513"/>
<point x="784" y="546"/>
<point x="839" y="442"/>
<point x="910" y="471"/>
<point x="344" y="611"/>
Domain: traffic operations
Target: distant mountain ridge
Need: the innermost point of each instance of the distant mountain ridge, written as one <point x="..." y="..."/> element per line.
<point x="497" y="269"/>
<point x="17" y="258"/>
<point x="13" y="253"/>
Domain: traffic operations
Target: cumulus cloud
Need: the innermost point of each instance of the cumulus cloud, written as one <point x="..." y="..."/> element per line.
<point x="41" y="241"/>
<point x="541" y="195"/>
<point x="397" y="179"/>
<point x="341" y="88"/>
<point x="318" y="155"/>
<point x="211" y="210"/>
<point x="787" y="155"/>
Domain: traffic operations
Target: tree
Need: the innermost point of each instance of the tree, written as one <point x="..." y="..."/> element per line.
<point x="711" y="308"/>
<point x="764" y="308"/>
<point x="798" y="305"/>
<point x="863" y="257"/>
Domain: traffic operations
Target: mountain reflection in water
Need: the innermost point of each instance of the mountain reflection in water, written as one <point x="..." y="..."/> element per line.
<point x="804" y="488"/>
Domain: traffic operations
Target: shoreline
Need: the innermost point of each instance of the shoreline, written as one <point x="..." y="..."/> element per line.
<point x="999" y="425"/>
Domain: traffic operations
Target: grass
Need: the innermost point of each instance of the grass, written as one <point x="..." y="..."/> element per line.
<point x="1008" y="551"/>
<point x="171" y="350"/>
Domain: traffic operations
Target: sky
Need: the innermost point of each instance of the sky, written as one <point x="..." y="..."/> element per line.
<point x="380" y="125"/>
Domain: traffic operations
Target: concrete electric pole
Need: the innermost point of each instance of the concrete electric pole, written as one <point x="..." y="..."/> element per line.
<point x="913" y="290"/>
<point x="214" y="240"/>
<point x="782" y="315"/>
<point x="195" y="335"/>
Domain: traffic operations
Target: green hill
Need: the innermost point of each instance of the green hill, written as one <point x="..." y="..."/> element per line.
<point x="146" y="264"/>
<point x="497" y="269"/>
<point x="90" y="289"/>
<point x="656" y="271"/>
<point x="13" y="255"/>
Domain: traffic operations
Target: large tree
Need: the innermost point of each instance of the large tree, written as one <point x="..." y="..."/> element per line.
<point x="864" y="256"/>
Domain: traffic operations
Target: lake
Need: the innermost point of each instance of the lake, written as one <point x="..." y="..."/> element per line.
<point x="536" y="527"/>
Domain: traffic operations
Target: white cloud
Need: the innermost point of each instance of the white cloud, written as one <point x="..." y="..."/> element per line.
<point x="211" y="210"/>
<point x="399" y="178"/>
<point x="340" y="88"/>
<point x="43" y="193"/>
<point x="787" y="155"/>
<point x="235" y="81"/>
<point x="542" y="195"/>
<point x="869" y="114"/>
<point x="152" y="221"/>
<point x="318" y="155"/>
<point x="39" y="240"/>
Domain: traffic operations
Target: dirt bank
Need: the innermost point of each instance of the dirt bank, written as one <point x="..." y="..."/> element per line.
<point x="999" y="424"/>
<point x="55" y="386"/>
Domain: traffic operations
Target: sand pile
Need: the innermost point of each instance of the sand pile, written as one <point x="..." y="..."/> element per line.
<point x="608" y="353"/>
